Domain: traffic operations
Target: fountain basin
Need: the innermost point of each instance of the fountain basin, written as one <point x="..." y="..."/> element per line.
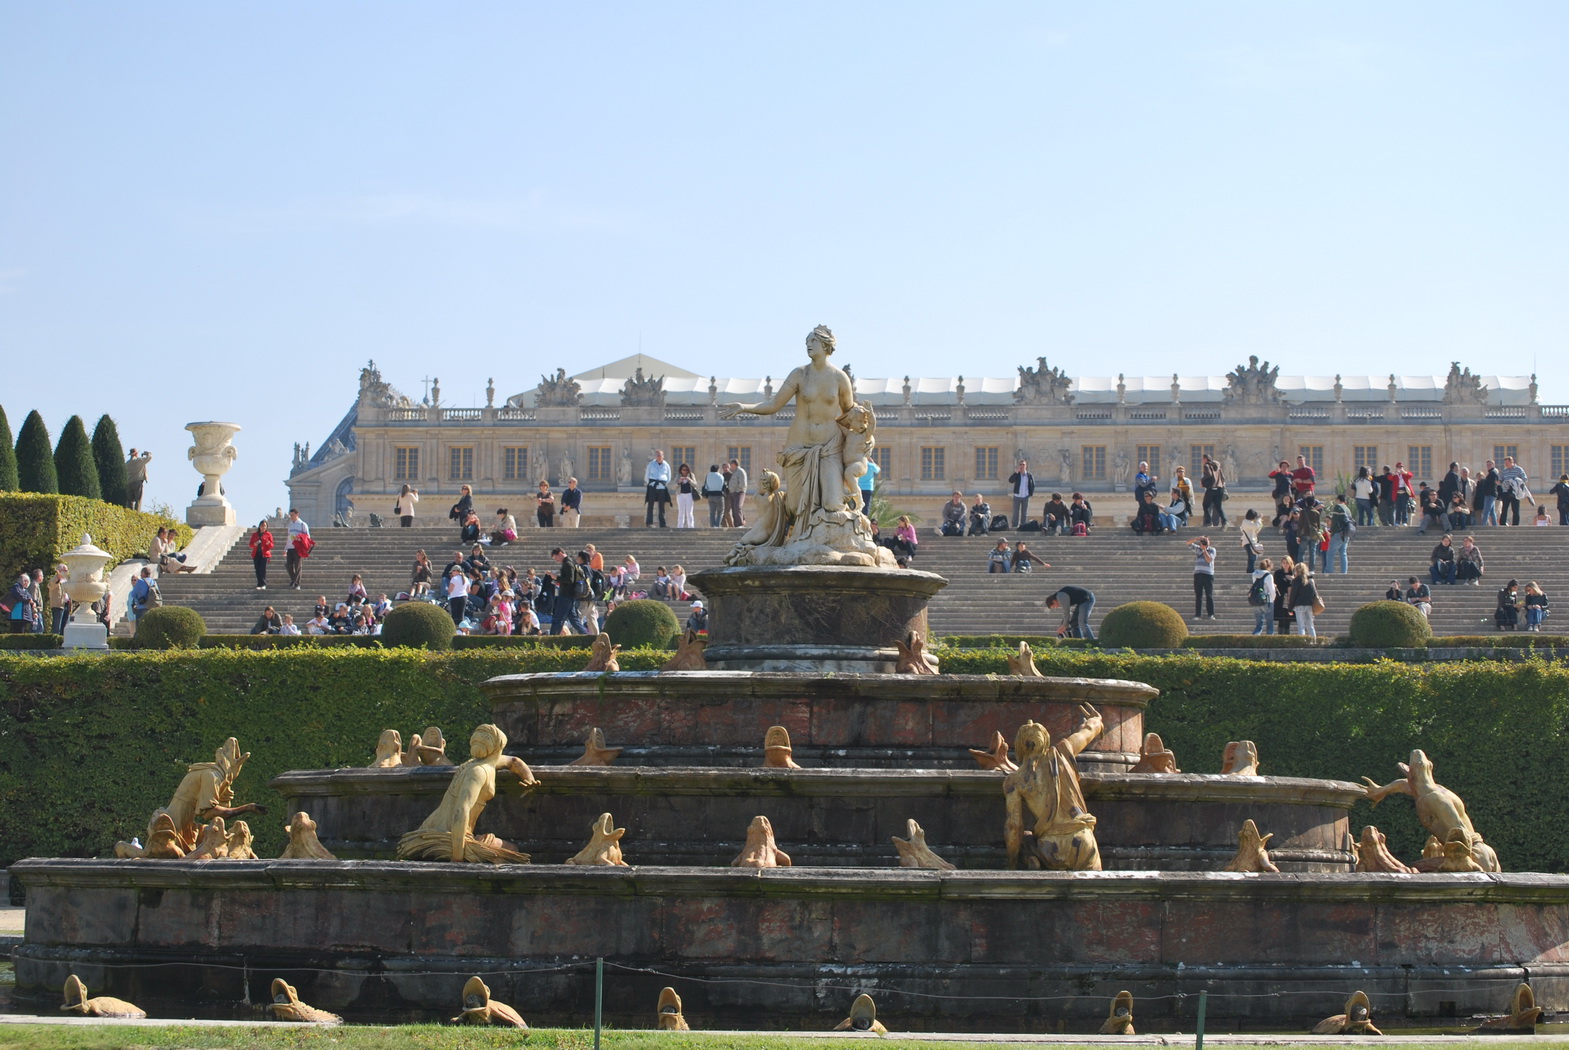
<point x="995" y="951"/>
<point x="718" y="718"/>
<point x="830" y="818"/>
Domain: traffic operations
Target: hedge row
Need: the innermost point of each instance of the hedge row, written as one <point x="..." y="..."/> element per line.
<point x="361" y="641"/>
<point x="1502" y="640"/>
<point x="70" y="725"/>
<point x="36" y="529"/>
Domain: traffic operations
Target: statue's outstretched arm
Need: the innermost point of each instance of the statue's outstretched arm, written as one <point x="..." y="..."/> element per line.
<point x="782" y="397"/>
<point x="1377" y="794"/>
<point x="1090" y="727"/>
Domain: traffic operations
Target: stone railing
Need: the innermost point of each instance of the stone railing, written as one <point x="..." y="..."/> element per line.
<point x="587" y="414"/>
<point x="462" y="415"/>
<point x="515" y="415"/>
<point x="685" y="413"/>
<point x="406" y="415"/>
<point x="1504" y="412"/>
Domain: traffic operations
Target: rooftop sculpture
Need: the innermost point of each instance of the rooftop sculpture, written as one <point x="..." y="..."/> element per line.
<point x="1253" y="384"/>
<point x="1463" y="388"/>
<point x="1042" y="385"/>
<point x="643" y="393"/>
<point x="559" y="391"/>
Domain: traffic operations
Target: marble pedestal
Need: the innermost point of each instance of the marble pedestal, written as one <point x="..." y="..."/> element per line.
<point x="205" y="510"/>
<point x="86" y="636"/>
<point x="813" y="618"/>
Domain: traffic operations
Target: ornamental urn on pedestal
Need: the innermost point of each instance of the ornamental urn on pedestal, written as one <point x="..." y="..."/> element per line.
<point x="83" y="586"/>
<point x="212" y="456"/>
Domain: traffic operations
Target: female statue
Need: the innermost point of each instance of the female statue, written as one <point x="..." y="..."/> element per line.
<point x="448" y="833"/>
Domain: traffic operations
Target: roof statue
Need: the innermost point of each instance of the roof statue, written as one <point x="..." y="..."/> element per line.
<point x="1463" y="388"/>
<point x="376" y="391"/>
<point x="640" y="392"/>
<point x="1043" y="386"/>
<point x="560" y="392"/>
<point x="1253" y="384"/>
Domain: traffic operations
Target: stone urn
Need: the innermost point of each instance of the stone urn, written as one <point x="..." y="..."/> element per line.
<point x="212" y="456"/>
<point x="84" y="585"/>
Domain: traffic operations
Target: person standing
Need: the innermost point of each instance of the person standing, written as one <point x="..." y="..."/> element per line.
<point x="1486" y="493"/>
<point x="1213" y="480"/>
<point x="735" y="493"/>
<point x="457" y="594"/>
<point x="1363" y="491"/>
<point x="1304" y="600"/>
<point x="686" y="497"/>
<point x="714" y="493"/>
<point x="136" y="478"/>
<point x="656" y="489"/>
<point x="571" y="505"/>
<point x="1303" y="479"/>
<point x="1511" y="490"/>
<point x="1261" y="597"/>
<point x="1203" y="577"/>
<point x="1022" y="484"/>
<point x="569" y="581"/>
<point x="1340" y="527"/>
<point x="404" y="507"/>
<point x="1076" y="604"/>
<point x="299" y="544"/>
<point x="868" y="483"/>
<point x="59" y="604"/>
<point x="1251" y="526"/>
<point x="1561" y="491"/>
<point x="261" y="552"/>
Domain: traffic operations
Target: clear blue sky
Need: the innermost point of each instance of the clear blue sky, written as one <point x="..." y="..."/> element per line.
<point x="222" y="210"/>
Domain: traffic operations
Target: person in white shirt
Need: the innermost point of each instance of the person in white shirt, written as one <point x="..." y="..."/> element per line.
<point x="317" y="625"/>
<point x="404" y="508"/>
<point x="457" y="594"/>
<point x="288" y="626"/>
<point x="656" y="488"/>
<point x="292" y="559"/>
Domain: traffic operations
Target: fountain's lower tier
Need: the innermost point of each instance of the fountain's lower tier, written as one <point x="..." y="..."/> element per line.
<point x="838" y="817"/>
<point x="768" y="948"/>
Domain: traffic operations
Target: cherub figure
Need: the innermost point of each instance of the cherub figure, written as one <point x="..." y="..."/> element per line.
<point x="769" y="526"/>
<point x="1046" y="784"/>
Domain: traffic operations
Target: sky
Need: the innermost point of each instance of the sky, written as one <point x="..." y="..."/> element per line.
<point x="222" y="211"/>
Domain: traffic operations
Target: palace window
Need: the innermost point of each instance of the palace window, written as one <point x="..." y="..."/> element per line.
<point x="687" y="454"/>
<point x="514" y="464"/>
<point x="933" y="463"/>
<point x="1419" y="461"/>
<point x="986" y="464"/>
<point x="1149" y="454"/>
<point x="742" y="454"/>
<point x="405" y="464"/>
<point x="460" y="463"/>
<point x="884" y="461"/>
<point x="1093" y="461"/>
<point x="1560" y="460"/>
<point x="599" y="466"/>
<point x="1196" y="454"/>
<point x="1314" y="454"/>
<point x="1365" y="456"/>
<point x="1500" y="451"/>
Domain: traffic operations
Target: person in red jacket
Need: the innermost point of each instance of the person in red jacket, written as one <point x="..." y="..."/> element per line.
<point x="261" y="553"/>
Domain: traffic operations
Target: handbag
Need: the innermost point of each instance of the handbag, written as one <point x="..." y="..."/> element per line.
<point x="1318" y="606"/>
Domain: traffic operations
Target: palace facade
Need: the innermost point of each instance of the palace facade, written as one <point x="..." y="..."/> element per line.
<point x="934" y="435"/>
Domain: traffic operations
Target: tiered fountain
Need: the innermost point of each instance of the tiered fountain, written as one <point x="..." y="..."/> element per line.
<point x="809" y="619"/>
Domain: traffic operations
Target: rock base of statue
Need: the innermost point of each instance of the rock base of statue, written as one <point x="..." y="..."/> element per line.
<point x="813" y="618"/>
<point x="832" y="537"/>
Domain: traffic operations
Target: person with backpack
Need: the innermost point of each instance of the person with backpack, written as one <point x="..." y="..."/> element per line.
<point x="1341" y="529"/>
<point x="1261" y="597"/>
<point x="145" y="594"/>
<point x="571" y="587"/>
<point x="1076" y="604"/>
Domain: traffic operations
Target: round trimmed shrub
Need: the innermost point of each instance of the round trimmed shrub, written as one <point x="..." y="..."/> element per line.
<point x="1389" y="625"/>
<point x="642" y="622"/>
<point x="170" y="627"/>
<point x="418" y="625"/>
<point x="1143" y="625"/>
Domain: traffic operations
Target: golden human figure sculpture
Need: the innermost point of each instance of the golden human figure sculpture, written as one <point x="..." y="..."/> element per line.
<point x="1046" y="784"/>
<point x="826" y="448"/>
<point x="207" y="791"/>
<point x="1439" y="809"/>
<point x="448" y="833"/>
<point x="389" y="750"/>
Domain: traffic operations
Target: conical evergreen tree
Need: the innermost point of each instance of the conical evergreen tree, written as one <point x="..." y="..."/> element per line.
<point x="8" y="482"/>
<point x="34" y="458"/>
<point x="73" y="461"/>
<point x="109" y="454"/>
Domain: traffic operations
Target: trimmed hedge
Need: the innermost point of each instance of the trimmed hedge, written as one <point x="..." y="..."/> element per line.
<point x="36" y="529"/>
<point x="418" y="625"/>
<point x="1143" y="625"/>
<point x="1011" y="641"/>
<point x="31" y="641"/>
<point x="1250" y="641"/>
<point x="1388" y="625"/>
<point x="1502" y="640"/>
<point x="145" y="715"/>
<point x="169" y="627"/>
<point x="642" y="622"/>
<point x="258" y="642"/>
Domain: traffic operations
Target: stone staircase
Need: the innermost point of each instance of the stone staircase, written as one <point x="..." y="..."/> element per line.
<point x="1117" y="565"/>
